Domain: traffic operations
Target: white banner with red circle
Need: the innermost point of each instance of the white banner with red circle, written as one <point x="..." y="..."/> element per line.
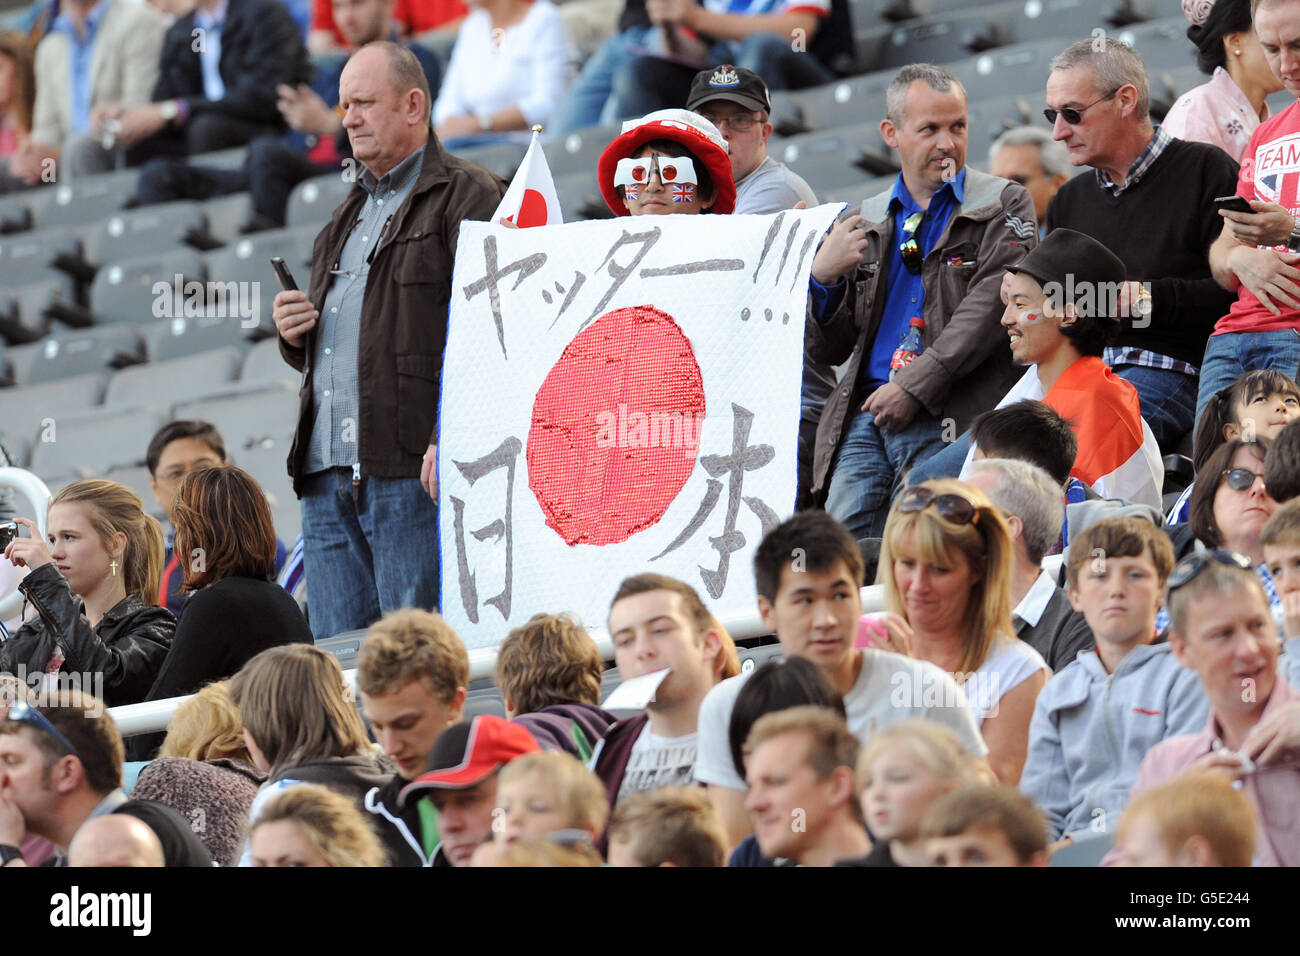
<point x="618" y="396"/>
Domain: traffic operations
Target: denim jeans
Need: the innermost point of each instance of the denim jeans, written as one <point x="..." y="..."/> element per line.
<point x="1168" y="401"/>
<point x="945" y="464"/>
<point x="584" y="104"/>
<point x="1228" y="356"/>
<point x="368" y="556"/>
<point x="871" y="467"/>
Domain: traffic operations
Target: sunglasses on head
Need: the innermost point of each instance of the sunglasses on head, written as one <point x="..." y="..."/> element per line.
<point x="1198" y="561"/>
<point x="951" y="507"/>
<point x="636" y="172"/>
<point x="1075" y="116"/>
<point x="1240" y="479"/>
<point x="910" y="249"/>
<point x="24" y="713"/>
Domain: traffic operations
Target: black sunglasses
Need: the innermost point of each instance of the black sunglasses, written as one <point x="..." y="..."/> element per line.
<point x="951" y="507"/>
<point x="1240" y="479"/>
<point x="910" y="249"/>
<point x="1075" y="116"/>
<point x="24" y="713"/>
<point x="1198" y="561"/>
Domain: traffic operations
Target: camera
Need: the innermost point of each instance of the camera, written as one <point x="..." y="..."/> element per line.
<point x="8" y="532"/>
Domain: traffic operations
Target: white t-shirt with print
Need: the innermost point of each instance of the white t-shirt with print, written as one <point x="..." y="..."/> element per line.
<point x="657" y="762"/>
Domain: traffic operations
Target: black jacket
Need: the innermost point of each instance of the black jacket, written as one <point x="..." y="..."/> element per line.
<point x="127" y="646"/>
<point x="260" y="47"/>
<point x="398" y="826"/>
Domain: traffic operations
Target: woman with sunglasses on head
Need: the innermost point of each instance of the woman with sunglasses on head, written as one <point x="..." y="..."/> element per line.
<point x="945" y="563"/>
<point x="94" y="585"/>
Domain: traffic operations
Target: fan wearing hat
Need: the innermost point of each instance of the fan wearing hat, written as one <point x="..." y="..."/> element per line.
<point x="1060" y="316"/>
<point x="672" y="161"/>
<point x="735" y="100"/>
<point x="462" y="782"/>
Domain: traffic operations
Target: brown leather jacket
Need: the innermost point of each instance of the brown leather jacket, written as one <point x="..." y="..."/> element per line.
<point x="403" y="316"/>
<point x="966" y="365"/>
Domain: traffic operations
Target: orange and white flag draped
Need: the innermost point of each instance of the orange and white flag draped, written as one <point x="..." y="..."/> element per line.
<point x="531" y="199"/>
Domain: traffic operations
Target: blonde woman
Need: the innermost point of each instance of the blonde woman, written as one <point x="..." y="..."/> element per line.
<point x="310" y="825"/>
<point x="94" y="583"/>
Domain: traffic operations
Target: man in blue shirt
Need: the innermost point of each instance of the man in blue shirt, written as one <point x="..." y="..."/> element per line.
<point x="935" y="246"/>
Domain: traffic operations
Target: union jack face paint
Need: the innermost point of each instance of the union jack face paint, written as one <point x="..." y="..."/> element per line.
<point x="683" y="192"/>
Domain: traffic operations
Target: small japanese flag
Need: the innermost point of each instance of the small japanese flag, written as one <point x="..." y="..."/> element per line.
<point x="531" y="198"/>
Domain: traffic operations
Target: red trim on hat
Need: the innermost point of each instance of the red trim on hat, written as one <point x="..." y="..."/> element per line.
<point x="714" y="159"/>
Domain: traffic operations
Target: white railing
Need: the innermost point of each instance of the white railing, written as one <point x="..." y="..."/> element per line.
<point x="157" y="714"/>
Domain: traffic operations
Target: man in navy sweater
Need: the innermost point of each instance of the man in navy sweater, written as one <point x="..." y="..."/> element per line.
<point x="1149" y="200"/>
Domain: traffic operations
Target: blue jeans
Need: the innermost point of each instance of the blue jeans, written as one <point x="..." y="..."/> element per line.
<point x="1230" y="355"/>
<point x="368" y="556"/>
<point x="871" y="467"/>
<point x="584" y="104"/>
<point x="945" y="464"/>
<point x="1168" y="401"/>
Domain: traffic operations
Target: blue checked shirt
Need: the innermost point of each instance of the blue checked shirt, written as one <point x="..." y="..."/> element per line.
<point x="81" y="53"/>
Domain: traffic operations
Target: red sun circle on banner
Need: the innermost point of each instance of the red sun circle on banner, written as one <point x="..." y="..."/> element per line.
<point x="532" y="210"/>
<point x="615" y="427"/>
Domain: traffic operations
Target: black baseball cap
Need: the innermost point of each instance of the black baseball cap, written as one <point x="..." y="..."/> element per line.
<point x="732" y="83"/>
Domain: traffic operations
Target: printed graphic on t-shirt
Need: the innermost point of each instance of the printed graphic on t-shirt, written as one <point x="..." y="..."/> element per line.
<point x="656" y="762"/>
<point x="1277" y="171"/>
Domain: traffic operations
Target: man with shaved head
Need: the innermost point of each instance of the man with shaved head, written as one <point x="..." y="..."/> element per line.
<point x="115" y="840"/>
<point x="368" y="334"/>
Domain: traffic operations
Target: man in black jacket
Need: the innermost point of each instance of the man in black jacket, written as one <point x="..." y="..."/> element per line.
<point x="61" y="766"/>
<point x="369" y="334"/>
<point x="218" y="74"/>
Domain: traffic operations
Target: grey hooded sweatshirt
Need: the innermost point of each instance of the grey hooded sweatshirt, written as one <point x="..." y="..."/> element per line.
<point x="1091" y="730"/>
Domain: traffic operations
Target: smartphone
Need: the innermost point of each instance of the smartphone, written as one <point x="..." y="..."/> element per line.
<point x="1234" y="203"/>
<point x="283" y="274"/>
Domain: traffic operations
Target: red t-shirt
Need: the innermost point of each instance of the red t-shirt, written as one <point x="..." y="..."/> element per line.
<point x="1270" y="170"/>
<point x="415" y="16"/>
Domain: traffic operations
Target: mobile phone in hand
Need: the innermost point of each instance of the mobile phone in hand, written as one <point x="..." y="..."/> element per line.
<point x="283" y="274"/>
<point x="1233" y="203"/>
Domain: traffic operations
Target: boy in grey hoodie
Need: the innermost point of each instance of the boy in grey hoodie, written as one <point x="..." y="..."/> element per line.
<point x="1096" y="719"/>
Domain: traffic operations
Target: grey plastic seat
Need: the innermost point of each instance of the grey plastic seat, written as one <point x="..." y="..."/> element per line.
<point x="939" y="39"/>
<point x="826" y="159"/>
<point x="221" y="158"/>
<point x="263" y="365"/>
<point x="247" y="417"/>
<point x="314" y="200"/>
<point x="187" y="335"/>
<point x="1069" y="20"/>
<point x="579" y="151"/>
<point x="848" y="102"/>
<point x="18" y="446"/>
<point x="26" y="308"/>
<point x="94" y="442"/>
<point x="579" y="196"/>
<point x="83" y="200"/>
<point x="267" y="463"/>
<point x="24" y="409"/>
<point x="1163" y="44"/>
<point x="226" y="215"/>
<point x="163" y="383"/>
<point x="343" y="646"/>
<point x="500" y="158"/>
<point x="28" y="255"/>
<point x="988" y="119"/>
<point x="73" y="354"/>
<point x="1021" y="68"/>
<point x="248" y="260"/>
<point x="136" y="477"/>
<point x="149" y="230"/>
<point x="15" y="214"/>
<point x="128" y="290"/>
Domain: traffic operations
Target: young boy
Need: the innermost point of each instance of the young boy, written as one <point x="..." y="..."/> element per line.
<point x="542" y="794"/>
<point x="1096" y="719"/>
<point x="1281" y="540"/>
<point x="1222" y="630"/>
<point x="675" y="826"/>
<point x="1195" y="820"/>
<point x="985" y="826"/>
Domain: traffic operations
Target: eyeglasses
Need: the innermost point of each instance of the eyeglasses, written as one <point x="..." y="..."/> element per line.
<point x="740" y="122"/>
<point x="24" y="713"/>
<point x="1075" y="116"/>
<point x="1240" y="479"/>
<point x="910" y="249"/>
<point x="951" y="507"/>
<point x="1198" y="561"/>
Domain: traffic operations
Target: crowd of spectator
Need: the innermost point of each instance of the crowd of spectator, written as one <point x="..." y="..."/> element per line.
<point x="1142" y="706"/>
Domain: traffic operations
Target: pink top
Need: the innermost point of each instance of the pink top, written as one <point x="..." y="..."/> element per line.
<point x="1217" y="113"/>
<point x="1275" y="794"/>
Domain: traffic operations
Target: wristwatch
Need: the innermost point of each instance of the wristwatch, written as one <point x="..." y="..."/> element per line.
<point x="9" y="853"/>
<point x="168" y="110"/>
<point x="1293" y="241"/>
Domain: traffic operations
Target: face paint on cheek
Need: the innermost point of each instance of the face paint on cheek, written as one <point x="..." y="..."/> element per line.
<point x="1030" y="318"/>
<point x="683" y="192"/>
<point x="631" y="192"/>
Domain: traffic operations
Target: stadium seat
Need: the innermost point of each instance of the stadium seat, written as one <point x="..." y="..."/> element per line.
<point x="164" y="383"/>
<point x="580" y="197"/>
<point x="827" y="159"/>
<point x="854" y="195"/>
<point x="23" y="410"/>
<point x="853" y="101"/>
<point x="82" y="200"/>
<point x="15" y="214"/>
<point x="313" y="201"/>
<point x="72" y="354"/>
<point x="578" y="152"/>
<point x="128" y="290"/>
<point x="267" y="463"/>
<point x="136" y="477"/>
<point x="1163" y="45"/>
<point x="487" y="701"/>
<point x="264" y="365"/>
<point x="93" y="442"/>
<point x="222" y="158"/>
<point x="876" y="12"/>
<point x="343" y="646"/>
<point x="988" y="119"/>
<point x="940" y="39"/>
<point x="226" y="215"/>
<point x="27" y="256"/>
<point x="1068" y="20"/>
<point x="146" y="231"/>
<point x="500" y="158"/>
<point x="1022" y="68"/>
<point x="186" y="335"/>
<point x="246" y="417"/>
<point x="26" y="308"/>
<point x="17" y="447"/>
<point x="248" y="260"/>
